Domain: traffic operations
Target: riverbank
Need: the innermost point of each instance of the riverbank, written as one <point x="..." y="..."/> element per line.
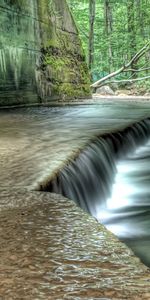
<point x="96" y="99"/>
<point x="128" y="98"/>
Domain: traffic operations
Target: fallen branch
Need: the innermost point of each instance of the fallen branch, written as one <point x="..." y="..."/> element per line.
<point x="137" y="70"/>
<point x="133" y="60"/>
<point x="129" y="80"/>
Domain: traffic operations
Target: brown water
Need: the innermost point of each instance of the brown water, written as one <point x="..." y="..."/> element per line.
<point x="49" y="248"/>
<point x="35" y="141"/>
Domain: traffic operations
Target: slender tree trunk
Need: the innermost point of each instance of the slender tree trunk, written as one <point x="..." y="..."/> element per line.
<point x="139" y="17"/>
<point x="140" y="24"/>
<point x="147" y="61"/>
<point x="109" y="29"/>
<point x="92" y="8"/>
<point x="131" y="29"/>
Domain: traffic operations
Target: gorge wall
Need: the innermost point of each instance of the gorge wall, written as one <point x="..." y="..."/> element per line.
<point x="41" y="57"/>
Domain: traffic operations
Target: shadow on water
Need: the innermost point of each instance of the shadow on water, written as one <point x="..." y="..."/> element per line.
<point x="110" y="180"/>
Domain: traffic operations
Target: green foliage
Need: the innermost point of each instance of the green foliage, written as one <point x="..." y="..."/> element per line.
<point x="70" y="90"/>
<point x="130" y="31"/>
<point x="143" y="87"/>
<point x="66" y="70"/>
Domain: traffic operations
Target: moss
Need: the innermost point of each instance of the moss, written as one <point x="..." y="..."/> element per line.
<point x="70" y="44"/>
<point x="59" y="68"/>
<point x="64" y="65"/>
<point x="55" y="62"/>
<point x="66" y="89"/>
<point x="70" y="90"/>
<point x="84" y="73"/>
<point x="68" y="75"/>
<point x="52" y="43"/>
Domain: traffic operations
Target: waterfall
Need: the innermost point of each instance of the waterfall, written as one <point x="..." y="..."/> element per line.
<point x="87" y="179"/>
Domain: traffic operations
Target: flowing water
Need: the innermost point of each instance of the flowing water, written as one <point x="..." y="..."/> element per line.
<point x="108" y="177"/>
<point x="128" y="213"/>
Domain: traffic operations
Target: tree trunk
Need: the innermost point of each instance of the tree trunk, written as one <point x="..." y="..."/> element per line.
<point x="125" y="68"/>
<point x="139" y="17"/>
<point x="91" y="33"/>
<point x="131" y="30"/>
<point x="109" y="29"/>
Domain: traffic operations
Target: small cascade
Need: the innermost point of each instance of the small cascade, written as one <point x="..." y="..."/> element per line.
<point x="88" y="178"/>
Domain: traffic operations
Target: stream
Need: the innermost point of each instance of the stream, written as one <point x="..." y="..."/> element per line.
<point x="36" y="143"/>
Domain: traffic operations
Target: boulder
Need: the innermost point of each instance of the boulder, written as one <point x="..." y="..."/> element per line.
<point x="105" y="90"/>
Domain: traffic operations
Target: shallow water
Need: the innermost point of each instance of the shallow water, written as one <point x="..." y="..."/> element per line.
<point x="50" y="249"/>
<point x="34" y="142"/>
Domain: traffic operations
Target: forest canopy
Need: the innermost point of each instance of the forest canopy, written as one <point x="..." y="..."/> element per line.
<point x="120" y="30"/>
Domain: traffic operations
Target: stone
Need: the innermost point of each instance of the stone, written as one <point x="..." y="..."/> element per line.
<point x="105" y="90"/>
<point x="114" y="86"/>
<point x="147" y="94"/>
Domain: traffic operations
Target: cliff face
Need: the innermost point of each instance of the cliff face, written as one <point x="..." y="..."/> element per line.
<point x="41" y="57"/>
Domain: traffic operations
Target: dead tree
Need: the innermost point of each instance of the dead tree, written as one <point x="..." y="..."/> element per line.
<point x="127" y="67"/>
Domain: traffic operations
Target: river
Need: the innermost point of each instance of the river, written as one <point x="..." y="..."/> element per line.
<point x="36" y="142"/>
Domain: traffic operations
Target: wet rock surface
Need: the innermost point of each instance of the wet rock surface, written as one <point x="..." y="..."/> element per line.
<point x="50" y="248"/>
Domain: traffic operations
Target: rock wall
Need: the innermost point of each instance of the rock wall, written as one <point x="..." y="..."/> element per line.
<point x="41" y="57"/>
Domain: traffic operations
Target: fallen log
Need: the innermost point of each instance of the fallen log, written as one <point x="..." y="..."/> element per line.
<point x="124" y="68"/>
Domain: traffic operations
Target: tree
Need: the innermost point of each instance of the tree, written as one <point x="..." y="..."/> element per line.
<point x="131" y="30"/>
<point x="119" y="29"/>
<point x="109" y="29"/>
<point x="91" y="33"/>
<point x="127" y="68"/>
